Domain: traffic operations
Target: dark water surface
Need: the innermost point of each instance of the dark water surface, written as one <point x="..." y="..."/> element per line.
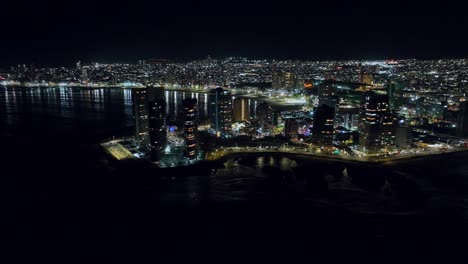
<point x="63" y="194"/>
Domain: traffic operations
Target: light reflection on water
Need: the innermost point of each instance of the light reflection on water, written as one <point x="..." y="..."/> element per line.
<point x="109" y="110"/>
<point x="237" y="180"/>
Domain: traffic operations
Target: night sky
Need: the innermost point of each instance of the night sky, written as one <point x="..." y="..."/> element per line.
<point x="62" y="32"/>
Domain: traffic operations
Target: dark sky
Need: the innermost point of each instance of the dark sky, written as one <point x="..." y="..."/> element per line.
<point x="61" y="32"/>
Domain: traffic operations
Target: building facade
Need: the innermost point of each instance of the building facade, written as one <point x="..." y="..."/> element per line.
<point x="462" y="120"/>
<point x="347" y="115"/>
<point x="377" y="124"/>
<point x="264" y="116"/>
<point x="290" y="128"/>
<point x="323" y="129"/>
<point x="190" y="127"/>
<point x="140" y="113"/>
<point x="284" y="80"/>
<point x="241" y="110"/>
<point x="403" y="137"/>
<point x="157" y="122"/>
<point x="220" y="101"/>
<point x="327" y="93"/>
<point x="395" y="94"/>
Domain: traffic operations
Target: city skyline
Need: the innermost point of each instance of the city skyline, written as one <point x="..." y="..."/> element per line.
<point x="208" y="56"/>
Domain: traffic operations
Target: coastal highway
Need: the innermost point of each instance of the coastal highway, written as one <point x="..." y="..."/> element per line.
<point x="221" y="152"/>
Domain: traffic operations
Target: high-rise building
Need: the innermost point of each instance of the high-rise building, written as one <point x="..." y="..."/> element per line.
<point x="290" y="81"/>
<point x="241" y="110"/>
<point x="327" y="93"/>
<point x="252" y="106"/>
<point x="140" y="112"/>
<point x="395" y="94"/>
<point x="190" y="127"/>
<point x="284" y="80"/>
<point x="462" y="121"/>
<point x="323" y="130"/>
<point x="157" y="122"/>
<point x="220" y="101"/>
<point x="347" y="115"/>
<point x="377" y="123"/>
<point x="388" y="130"/>
<point x="264" y="116"/>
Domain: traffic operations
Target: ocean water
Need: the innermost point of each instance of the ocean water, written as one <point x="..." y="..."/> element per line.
<point x="55" y="173"/>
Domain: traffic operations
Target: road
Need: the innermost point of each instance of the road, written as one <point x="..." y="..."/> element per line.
<point x="219" y="153"/>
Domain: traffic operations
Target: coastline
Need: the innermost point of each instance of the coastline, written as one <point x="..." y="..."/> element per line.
<point x="167" y="88"/>
<point x="215" y="159"/>
<point x="368" y="160"/>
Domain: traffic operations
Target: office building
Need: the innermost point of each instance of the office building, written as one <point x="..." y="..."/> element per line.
<point x="157" y="122"/>
<point x="377" y="124"/>
<point x="220" y="101"/>
<point x="140" y="113"/>
<point x="462" y="120"/>
<point x="388" y="130"/>
<point x="323" y="130"/>
<point x="264" y="116"/>
<point x="241" y="110"/>
<point x="395" y="94"/>
<point x="347" y="115"/>
<point x="327" y="93"/>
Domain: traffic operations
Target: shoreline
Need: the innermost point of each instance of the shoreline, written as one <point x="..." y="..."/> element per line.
<point x="182" y="89"/>
<point x="98" y="87"/>
<point x="370" y="160"/>
<point x="223" y="155"/>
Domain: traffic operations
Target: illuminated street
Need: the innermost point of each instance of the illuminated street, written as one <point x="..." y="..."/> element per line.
<point x="222" y="152"/>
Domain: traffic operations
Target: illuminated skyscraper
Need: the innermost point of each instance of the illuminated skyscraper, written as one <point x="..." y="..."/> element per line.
<point x="395" y="94"/>
<point x="190" y="127"/>
<point x="140" y="112"/>
<point x="323" y="130"/>
<point x="220" y="101"/>
<point x="157" y="122"/>
<point x="241" y="110"/>
<point x="377" y="124"/>
<point x="290" y="81"/>
<point x="388" y="130"/>
<point x="462" y="121"/>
